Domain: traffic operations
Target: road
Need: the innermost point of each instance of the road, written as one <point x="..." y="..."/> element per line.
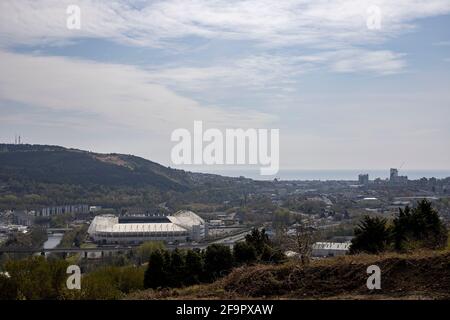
<point x="232" y="239"/>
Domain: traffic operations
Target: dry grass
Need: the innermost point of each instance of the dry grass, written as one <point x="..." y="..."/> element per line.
<point x="418" y="275"/>
<point x="113" y="159"/>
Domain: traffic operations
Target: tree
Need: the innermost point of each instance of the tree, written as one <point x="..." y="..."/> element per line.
<point x="419" y="227"/>
<point x="8" y="288"/>
<point x="144" y="251"/>
<point x="111" y="282"/>
<point x="281" y="218"/>
<point x="272" y="255"/>
<point x="156" y="273"/>
<point x="244" y="252"/>
<point x="218" y="261"/>
<point x="36" y="278"/>
<point x="401" y="225"/>
<point x="304" y="240"/>
<point x="258" y="239"/>
<point x="371" y="236"/>
<point x="99" y="285"/>
<point x="194" y="267"/>
<point x="176" y="268"/>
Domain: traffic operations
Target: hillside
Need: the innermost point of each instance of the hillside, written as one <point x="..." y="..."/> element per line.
<point x="54" y="164"/>
<point x="423" y="275"/>
<point x="40" y="175"/>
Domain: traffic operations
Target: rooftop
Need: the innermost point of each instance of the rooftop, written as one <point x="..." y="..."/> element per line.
<point x="180" y="221"/>
<point x="332" y="245"/>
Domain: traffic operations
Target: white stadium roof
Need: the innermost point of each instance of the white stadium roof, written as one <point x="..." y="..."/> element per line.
<point x="179" y="222"/>
<point x="143" y="227"/>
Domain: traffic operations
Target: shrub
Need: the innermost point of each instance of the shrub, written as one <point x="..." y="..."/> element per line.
<point x="371" y="236"/>
<point x="156" y="273"/>
<point x="244" y="252"/>
<point x="218" y="261"/>
<point x="419" y="227"/>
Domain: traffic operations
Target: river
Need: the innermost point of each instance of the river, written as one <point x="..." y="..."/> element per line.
<point x="53" y="240"/>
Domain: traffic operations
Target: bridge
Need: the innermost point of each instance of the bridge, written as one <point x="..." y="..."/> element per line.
<point x="108" y="250"/>
<point x="64" y="250"/>
<point x="57" y="230"/>
<point x="102" y="251"/>
<point x="98" y="251"/>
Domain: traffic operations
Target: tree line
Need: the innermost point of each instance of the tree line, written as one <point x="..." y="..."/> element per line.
<point x="38" y="278"/>
<point x="412" y="228"/>
<point x="187" y="267"/>
<point x="45" y="278"/>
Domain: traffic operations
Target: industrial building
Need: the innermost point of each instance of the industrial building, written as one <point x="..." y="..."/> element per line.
<point x="182" y="226"/>
<point x="330" y="249"/>
<point x="58" y="210"/>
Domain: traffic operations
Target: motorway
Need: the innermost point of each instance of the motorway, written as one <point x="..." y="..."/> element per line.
<point x="232" y="239"/>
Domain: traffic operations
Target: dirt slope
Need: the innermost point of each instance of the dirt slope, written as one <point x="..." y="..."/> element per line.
<point x="417" y="276"/>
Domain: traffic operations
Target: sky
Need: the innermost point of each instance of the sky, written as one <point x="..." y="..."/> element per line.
<point x="343" y="93"/>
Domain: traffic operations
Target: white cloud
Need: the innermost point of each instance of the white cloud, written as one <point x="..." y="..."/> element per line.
<point x="119" y="94"/>
<point x="380" y="62"/>
<point x="318" y="23"/>
<point x="277" y="71"/>
<point x="283" y="40"/>
<point x="336" y="30"/>
<point x="251" y="72"/>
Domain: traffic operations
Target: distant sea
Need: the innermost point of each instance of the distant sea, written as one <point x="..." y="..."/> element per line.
<point x="324" y="175"/>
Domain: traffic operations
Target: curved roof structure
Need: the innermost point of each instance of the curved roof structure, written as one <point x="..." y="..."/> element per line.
<point x="182" y="222"/>
<point x="186" y="219"/>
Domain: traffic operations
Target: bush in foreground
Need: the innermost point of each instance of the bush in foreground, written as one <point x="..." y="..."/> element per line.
<point x="415" y="228"/>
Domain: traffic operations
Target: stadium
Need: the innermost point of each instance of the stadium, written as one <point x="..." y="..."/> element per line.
<point x="183" y="226"/>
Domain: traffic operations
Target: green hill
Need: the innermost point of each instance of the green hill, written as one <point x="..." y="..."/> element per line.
<point x="58" y="165"/>
<point x="32" y="176"/>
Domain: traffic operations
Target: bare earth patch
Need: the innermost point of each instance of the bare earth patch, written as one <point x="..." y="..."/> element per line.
<point x="112" y="159"/>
